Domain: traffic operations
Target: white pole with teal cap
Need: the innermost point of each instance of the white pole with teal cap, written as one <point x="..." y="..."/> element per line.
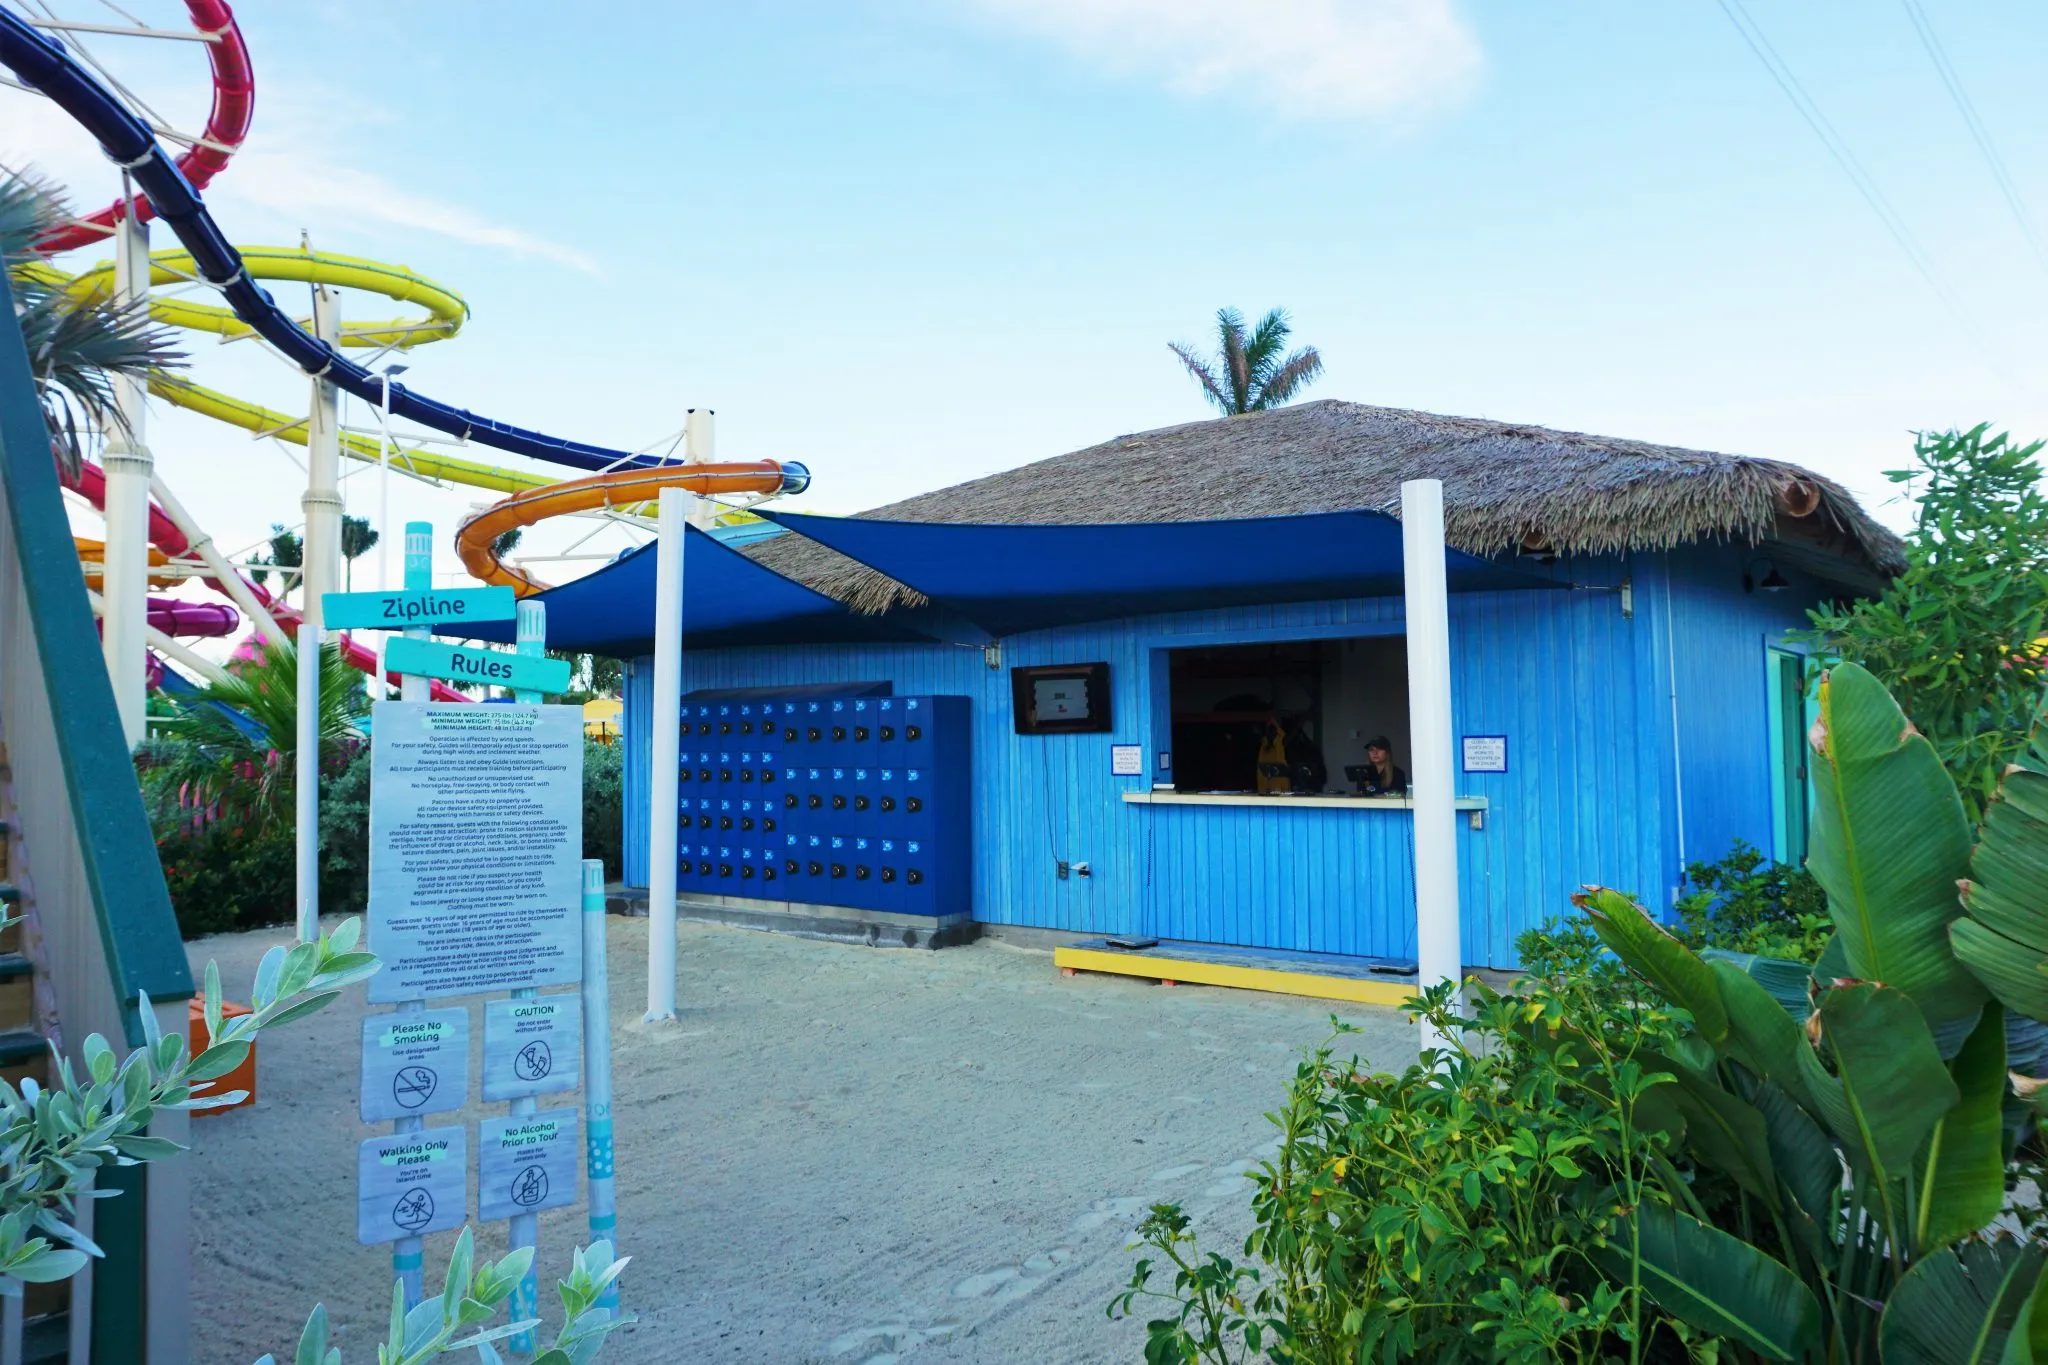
<point x="665" y="748"/>
<point x="532" y="641"/>
<point x="408" y="1252"/>
<point x="597" y="1072"/>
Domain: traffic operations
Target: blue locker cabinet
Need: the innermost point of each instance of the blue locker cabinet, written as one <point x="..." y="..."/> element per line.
<point x="859" y="802"/>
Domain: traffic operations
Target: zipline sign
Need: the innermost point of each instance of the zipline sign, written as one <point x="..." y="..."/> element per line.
<point x="476" y="848"/>
<point x="397" y="610"/>
<point x="458" y="663"/>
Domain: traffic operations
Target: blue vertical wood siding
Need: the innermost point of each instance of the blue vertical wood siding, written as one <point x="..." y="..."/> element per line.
<point x="1583" y="693"/>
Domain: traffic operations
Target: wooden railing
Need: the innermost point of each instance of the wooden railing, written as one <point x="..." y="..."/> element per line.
<point x="107" y="929"/>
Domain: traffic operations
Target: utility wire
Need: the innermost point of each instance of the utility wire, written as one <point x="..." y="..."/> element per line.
<point x="1978" y="132"/>
<point x="1866" y="185"/>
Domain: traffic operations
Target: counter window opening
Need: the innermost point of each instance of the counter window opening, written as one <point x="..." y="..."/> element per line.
<point x="1287" y="717"/>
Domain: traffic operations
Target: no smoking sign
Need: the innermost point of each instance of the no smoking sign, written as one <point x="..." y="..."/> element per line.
<point x="414" y="1063"/>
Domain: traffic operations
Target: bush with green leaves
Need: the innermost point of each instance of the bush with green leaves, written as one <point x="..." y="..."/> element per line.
<point x="604" y="804"/>
<point x="1464" y="1209"/>
<point x="456" y="1319"/>
<point x="1747" y="903"/>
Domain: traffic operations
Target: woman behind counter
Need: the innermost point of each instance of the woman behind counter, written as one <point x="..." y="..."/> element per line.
<point x="1381" y="777"/>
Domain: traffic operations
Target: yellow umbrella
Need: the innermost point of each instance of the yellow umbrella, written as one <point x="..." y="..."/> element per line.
<point x="603" y="719"/>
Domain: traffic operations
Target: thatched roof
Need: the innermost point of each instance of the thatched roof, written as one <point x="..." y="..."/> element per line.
<point x="1506" y="487"/>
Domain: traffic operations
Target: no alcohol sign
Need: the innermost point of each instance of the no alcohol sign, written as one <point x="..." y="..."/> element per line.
<point x="416" y="1063"/>
<point x="526" y="1164"/>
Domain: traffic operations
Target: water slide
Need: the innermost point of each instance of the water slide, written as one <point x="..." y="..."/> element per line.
<point x="169" y="191"/>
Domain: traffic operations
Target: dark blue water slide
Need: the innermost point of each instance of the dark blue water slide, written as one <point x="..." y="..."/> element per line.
<point x="43" y="64"/>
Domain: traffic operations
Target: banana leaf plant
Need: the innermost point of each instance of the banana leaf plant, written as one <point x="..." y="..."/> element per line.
<point x="1869" y="1144"/>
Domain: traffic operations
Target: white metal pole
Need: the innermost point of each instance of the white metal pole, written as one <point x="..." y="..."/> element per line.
<point x="1437" y="942"/>
<point x="128" y="466"/>
<point x="700" y="446"/>
<point x="666" y="743"/>
<point x="531" y="636"/>
<point x="201" y="544"/>
<point x="307" y="780"/>
<point x="597" y="1072"/>
<point x="384" y="488"/>
<point x="322" y="503"/>
<point x="408" y="1254"/>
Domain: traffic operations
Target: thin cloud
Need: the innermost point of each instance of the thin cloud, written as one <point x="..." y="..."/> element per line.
<point x="1300" y="58"/>
<point x="313" y="191"/>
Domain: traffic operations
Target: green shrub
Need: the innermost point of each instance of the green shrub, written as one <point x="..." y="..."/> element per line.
<point x="1746" y="903"/>
<point x="1462" y="1210"/>
<point x="226" y="878"/>
<point x="345" y="838"/>
<point x="604" y="811"/>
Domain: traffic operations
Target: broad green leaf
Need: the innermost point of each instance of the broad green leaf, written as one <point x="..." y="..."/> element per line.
<point x="1654" y="954"/>
<point x="1957" y="1307"/>
<point x="1890" y="843"/>
<point x="1891" y="1090"/>
<point x="1783" y="980"/>
<point x="49" y="1266"/>
<point x="313" y="1341"/>
<point x="1808" y="1163"/>
<point x="217" y="1062"/>
<point x="1724" y="1131"/>
<point x="2027" y="1343"/>
<point x="1716" y="1282"/>
<point x="1761" y="1034"/>
<point x="2012" y="971"/>
<point x="1963" y="1187"/>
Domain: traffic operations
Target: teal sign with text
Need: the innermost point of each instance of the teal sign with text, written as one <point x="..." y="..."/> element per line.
<point x="397" y="610"/>
<point x="458" y="663"/>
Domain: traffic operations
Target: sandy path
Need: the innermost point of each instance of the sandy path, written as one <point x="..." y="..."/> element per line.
<point x="839" y="1154"/>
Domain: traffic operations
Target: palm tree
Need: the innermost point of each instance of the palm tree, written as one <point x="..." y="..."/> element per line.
<point x="357" y="540"/>
<point x="75" y="350"/>
<point x="1248" y="373"/>
<point x="236" y="741"/>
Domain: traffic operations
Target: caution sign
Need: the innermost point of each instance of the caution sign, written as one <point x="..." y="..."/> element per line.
<point x="411" y="1184"/>
<point x="532" y="1047"/>
<point x="414" y="1064"/>
<point x="526" y="1164"/>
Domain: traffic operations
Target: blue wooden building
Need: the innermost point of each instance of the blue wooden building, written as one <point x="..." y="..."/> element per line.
<point x="1625" y="697"/>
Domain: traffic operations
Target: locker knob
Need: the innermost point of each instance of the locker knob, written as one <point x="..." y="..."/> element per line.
<point x="746" y="727"/>
<point x="888" y="733"/>
<point x="747" y="872"/>
<point x="860" y="733"/>
<point x="725" y="727"/>
<point x="746" y="822"/>
<point x="913" y="733"/>
<point x="725" y="774"/>
<point x="789" y="734"/>
<point x="767" y="874"/>
<point x="816" y="734"/>
<point x="704" y="728"/>
<point x="725" y="869"/>
<point x="791" y="866"/>
<point x="725" y="822"/>
<point x="703" y="822"/>
<point x="703" y="774"/>
<point x="703" y="869"/>
<point x="767" y="824"/>
<point x="838" y="803"/>
<point x="888" y="874"/>
<point x="860" y="803"/>
<point x="746" y="774"/>
<point x="914" y="877"/>
<point x="838" y="733"/>
<point x="789" y="801"/>
<point x="816" y="801"/>
<point x="683" y="775"/>
<point x="888" y="803"/>
<point x="860" y="872"/>
<point x="839" y="869"/>
<point x="913" y="804"/>
<point x="817" y="869"/>
<point x="767" y="774"/>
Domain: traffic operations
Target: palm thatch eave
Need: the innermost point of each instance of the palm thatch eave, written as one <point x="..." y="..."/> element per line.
<point x="1507" y="487"/>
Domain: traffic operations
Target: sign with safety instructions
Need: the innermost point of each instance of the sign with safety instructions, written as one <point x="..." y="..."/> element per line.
<point x="415" y="1064"/>
<point x="411" y="1184"/>
<point x="476" y="847"/>
<point x="526" y="1164"/>
<point x="532" y="1046"/>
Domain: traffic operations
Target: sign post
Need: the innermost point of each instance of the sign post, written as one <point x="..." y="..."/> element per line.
<point x="476" y="884"/>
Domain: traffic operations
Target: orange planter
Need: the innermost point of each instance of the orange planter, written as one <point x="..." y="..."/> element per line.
<point x="198" y="1039"/>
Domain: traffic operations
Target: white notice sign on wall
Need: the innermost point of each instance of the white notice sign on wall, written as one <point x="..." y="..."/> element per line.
<point x="476" y="844"/>
<point x="411" y="1184"/>
<point x="531" y="1047"/>
<point x="1483" y="754"/>
<point x="526" y="1164"/>
<point x="414" y="1063"/>
<point x="1126" y="760"/>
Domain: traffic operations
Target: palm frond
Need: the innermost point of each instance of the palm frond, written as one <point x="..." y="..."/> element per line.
<point x="1301" y="369"/>
<point x="1212" y="387"/>
<point x="1262" y="349"/>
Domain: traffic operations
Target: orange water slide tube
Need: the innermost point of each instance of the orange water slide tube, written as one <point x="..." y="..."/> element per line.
<point x="620" y="488"/>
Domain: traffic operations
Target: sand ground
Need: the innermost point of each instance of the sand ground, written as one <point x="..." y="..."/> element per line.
<point x="838" y="1154"/>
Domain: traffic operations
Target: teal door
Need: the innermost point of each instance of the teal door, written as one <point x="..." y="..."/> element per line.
<point x="1791" y="716"/>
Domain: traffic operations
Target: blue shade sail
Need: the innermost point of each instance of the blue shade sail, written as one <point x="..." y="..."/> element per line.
<point x="1013" y="578"/>
<point x="728" y="599"/>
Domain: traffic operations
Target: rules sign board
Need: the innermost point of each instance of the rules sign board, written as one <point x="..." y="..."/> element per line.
<point x="531" y="1047"/>
<point x="526" y="1164"/>
<point x="414" y="1064"/>
<point x="476" y="842"/>
<point x="411" y="1184"/>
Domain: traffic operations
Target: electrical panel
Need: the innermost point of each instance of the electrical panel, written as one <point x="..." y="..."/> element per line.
<point x="859" y="802"/>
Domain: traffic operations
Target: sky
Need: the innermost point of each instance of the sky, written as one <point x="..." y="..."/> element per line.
<point x="910" y="242"/>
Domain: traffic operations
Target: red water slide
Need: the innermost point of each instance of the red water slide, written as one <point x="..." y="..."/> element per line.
<point x="227" y="123"/>
<point x="91" y="484"/>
